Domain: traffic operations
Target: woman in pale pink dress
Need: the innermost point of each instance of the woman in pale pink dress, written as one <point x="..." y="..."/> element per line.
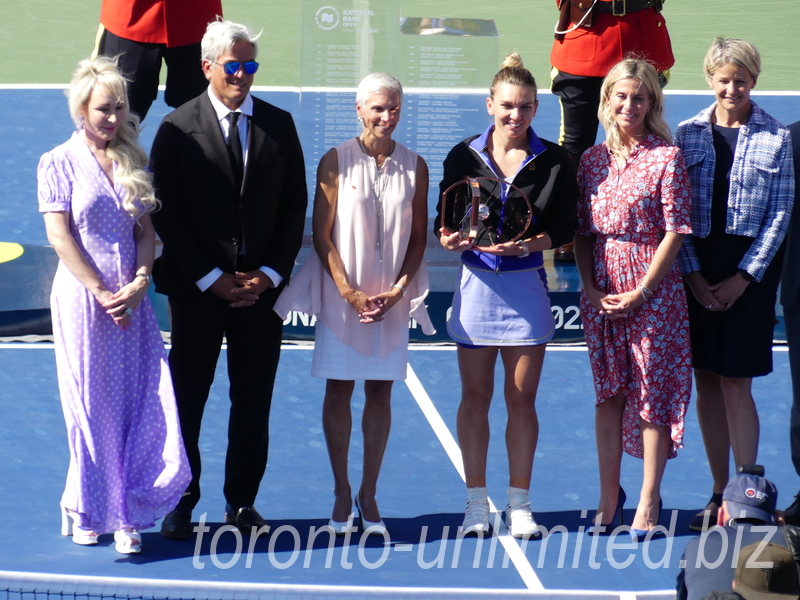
<point x="366" y="276"/>
<point x="127" y="465"/>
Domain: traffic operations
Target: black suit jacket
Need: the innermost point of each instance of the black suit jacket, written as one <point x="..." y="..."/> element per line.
<point x="790" y="281"/>
<point x="204" y="218"/>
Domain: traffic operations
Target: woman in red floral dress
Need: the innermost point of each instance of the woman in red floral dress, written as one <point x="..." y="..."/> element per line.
<point x="633" y="214"/>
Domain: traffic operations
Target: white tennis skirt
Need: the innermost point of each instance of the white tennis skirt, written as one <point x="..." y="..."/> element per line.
<point x="333" y="359"/>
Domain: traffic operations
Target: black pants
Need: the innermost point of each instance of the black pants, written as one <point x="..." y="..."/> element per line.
<point x="579" y="98"/>
<point x="791" y="318"/>
<point x="141" y="64"/>
<point x="254" y="342"/>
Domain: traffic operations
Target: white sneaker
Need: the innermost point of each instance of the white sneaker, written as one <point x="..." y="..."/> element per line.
<point x="520" y="523"/>
<point x="476" y="516"/>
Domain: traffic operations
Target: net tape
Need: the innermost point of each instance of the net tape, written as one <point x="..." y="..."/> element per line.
<point x="41" y="586"/>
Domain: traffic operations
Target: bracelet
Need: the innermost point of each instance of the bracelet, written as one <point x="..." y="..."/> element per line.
<point x="646" y="293"/>
<point x="401" y="288"/>
<point x="148" y="279"/>
<point x="525" y="250"/>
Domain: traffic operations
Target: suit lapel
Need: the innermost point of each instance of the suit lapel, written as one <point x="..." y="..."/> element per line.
<point x="211" y="137"/>
<point x="256" y="138"/>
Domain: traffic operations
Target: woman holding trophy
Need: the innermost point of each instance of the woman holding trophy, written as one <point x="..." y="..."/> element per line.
<point x="507" y="195"/>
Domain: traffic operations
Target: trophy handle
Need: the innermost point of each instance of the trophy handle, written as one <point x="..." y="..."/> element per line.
<point x="474" y="217"/>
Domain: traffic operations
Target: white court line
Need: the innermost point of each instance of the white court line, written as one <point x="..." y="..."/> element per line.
<point x="310" y="346"/>
<point x="515" y="553"/>
<point x="452" y="347"/>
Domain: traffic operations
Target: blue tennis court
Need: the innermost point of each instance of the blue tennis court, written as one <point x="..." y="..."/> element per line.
<point x="420" y="493"/>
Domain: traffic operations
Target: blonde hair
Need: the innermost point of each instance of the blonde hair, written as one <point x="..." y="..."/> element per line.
<point x="645" y="73"/>
<point x="514" y="72"/>
<point x="103" y="72"/>
<point x="731" y="50"/>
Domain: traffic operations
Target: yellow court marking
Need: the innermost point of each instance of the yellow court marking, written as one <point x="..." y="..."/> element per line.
<point x="9" y="251"/>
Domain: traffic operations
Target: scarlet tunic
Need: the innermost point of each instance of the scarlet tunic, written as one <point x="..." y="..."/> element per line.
<point x="170" y="22"/>
<point x="592" y="51"/>
<point x="645" y="355"/>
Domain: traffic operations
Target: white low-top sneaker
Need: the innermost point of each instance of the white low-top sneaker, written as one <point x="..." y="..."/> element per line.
<point x="519" y="521"/>
<point x="476" y="516"/>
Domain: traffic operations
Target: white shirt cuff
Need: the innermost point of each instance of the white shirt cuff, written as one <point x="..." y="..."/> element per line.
<point x="272" y="274"/>
<point x="207" y="281"/>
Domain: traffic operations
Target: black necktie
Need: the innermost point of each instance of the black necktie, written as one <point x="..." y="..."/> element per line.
<point x="235" y="147"/>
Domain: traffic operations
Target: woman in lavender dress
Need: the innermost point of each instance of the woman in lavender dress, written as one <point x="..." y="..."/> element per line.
<point x="127" y="463"/>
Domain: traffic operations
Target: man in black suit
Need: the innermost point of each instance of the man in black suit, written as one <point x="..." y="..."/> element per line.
<point x="790" y="299"/>
<point x="229" y="172"/>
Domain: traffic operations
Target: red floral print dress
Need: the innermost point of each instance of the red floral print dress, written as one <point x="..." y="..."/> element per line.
<point x="645" y="355"/>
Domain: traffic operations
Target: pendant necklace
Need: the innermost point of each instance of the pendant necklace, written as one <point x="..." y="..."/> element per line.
<point x="379" y="184"/>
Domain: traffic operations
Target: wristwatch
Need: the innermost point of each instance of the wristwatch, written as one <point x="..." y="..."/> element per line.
<point x="148" y="279"/>
<point x="524" y="247"/>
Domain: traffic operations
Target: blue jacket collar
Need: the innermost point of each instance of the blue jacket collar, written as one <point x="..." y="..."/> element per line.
<point x="481" y="143"/>
<point x="703" y="119"/>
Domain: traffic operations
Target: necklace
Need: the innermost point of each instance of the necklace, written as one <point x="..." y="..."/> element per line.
<point x="380" y="181"/>
<point x="365" y="151"/>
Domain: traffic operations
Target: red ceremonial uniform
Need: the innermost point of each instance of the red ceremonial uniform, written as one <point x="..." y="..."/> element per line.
<point x="592" y="51"/>
<point x="169" y="22"/>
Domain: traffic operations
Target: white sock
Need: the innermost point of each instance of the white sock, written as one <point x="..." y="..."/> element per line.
<point x="517" y="496"/>
<point x="477" y="493"/>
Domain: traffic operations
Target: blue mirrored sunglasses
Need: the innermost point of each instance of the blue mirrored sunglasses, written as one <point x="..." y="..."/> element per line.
<point x="232" y="67"/>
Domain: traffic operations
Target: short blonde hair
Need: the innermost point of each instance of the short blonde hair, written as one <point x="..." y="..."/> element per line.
<point x="725" y="51"/>
<point x="645" y="73"/>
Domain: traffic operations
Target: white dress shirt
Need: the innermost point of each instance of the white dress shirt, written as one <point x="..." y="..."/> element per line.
<point x="246" y="110"/>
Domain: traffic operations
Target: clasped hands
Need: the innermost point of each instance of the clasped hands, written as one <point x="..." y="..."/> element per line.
<point x="371" y="309"/>
<point x="615" y="306"/>
<point x="121" y="304"/>
<point x="718" y="297"/>
<point x="241" y="289"/>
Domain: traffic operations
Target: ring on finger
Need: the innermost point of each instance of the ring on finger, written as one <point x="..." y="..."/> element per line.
<point x="709" y="307"/>
<point x="129" y="311"/>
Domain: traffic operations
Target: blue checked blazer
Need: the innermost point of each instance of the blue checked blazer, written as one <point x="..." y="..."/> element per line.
<point x="761" y="187"/>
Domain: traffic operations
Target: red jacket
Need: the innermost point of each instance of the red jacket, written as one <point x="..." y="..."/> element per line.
<point x="170" y="22"/>
<point x="591" y="52"/>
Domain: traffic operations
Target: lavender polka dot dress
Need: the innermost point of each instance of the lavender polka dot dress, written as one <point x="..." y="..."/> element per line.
<point x="127" y="467"/>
